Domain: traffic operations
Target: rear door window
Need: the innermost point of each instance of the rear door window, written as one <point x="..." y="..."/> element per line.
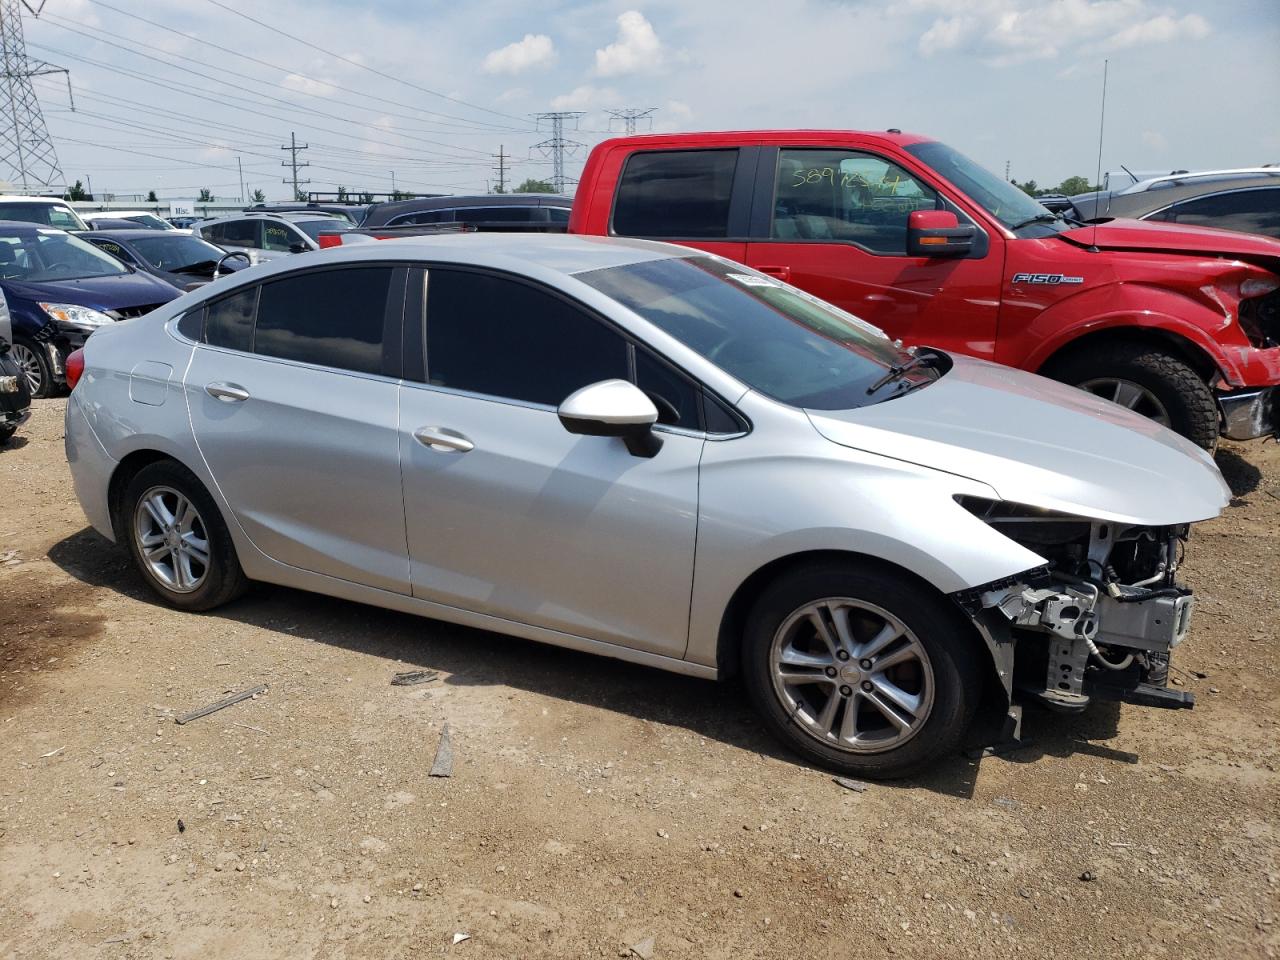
<point x="333" y="318"/>
<point x="1249" y="211"/>
<point x="678" y="194"/>
<point x="279" y="236"/>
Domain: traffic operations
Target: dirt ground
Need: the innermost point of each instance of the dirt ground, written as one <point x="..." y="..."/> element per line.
<point x="593" y="805"/>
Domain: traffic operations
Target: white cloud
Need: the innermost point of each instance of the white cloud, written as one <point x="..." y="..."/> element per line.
<point x="1155" y="140"/>
<point x="585" y="97"/>
<point x="637" y="49"/>
<point x="1008" y="32"/>
<point x="535" y="50"/>
<point x="295" y="81"/>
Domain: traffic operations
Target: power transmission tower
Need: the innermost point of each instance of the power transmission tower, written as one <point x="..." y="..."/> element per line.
<point x="27" y="154"/>
<point x="293" y="149"/>
<point x="501" y="170"/>
<point x="557" y="146"/>
<point x="629" y="116"/>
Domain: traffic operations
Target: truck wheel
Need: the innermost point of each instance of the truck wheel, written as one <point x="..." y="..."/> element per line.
<point x="860" y="670"/>
<point x="1148" y="381"/>
<point x="32" y="359"/>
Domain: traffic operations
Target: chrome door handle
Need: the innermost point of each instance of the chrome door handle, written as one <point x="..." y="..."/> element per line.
<point x="443" y="439"/>
<point x="227" y="392"/>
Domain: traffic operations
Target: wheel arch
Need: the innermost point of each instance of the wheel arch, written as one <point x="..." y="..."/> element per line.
<point x="126" y="470"/>
<point x="1185" y="349"/>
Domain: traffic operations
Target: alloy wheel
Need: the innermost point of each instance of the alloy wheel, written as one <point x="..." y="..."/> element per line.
<point x="1129" y="394"/>
<point x="29" y="363"/>
<point x="172" y="539"/>
<point x="853" y="675"/>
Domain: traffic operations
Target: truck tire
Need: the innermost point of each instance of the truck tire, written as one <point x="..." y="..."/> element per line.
<point x="1149" y="381"/>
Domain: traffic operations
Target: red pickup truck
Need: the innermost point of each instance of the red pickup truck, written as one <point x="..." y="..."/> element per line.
<point x="1179" y="323"/>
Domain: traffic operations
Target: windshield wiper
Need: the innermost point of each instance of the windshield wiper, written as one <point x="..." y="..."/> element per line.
<point x="199" y="266"/>
<point x="1038" y="218"/>
<point x="898" y="369"/>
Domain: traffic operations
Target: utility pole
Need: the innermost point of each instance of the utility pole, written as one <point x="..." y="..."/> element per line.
<point x="27" y="154"/>
<point x="394" y="191"/>
<point x="293" y="149"/>
<point x="557" y="146"/>
<point x="89" y="180"/>
<point x="629" y="116"/>
<point x="501" y="169"/>
<point x="240" y="167"/>
<point x="1006" y="170"/>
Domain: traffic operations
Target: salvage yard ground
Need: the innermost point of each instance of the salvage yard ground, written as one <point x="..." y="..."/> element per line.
<point x="593" y="805"/>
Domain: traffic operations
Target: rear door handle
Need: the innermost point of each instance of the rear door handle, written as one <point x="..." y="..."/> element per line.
<point x="443" y="439"/>
<point x="227" y="392"/>
<point x="782" y="273"/>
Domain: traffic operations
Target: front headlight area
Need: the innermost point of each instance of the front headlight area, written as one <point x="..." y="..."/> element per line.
<point x="1100" y="617"/>
<point x="73" y="316"/>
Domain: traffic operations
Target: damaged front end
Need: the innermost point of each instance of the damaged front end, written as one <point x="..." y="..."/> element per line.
<point x="1098" y="620"/>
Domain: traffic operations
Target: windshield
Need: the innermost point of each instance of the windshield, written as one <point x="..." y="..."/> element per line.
<point x="1001" y="199"/>
<point x="49" y="214"/>
<point x="53" y="255"/>
<point x="150" y="221"/>
<point x="176" y="251"/>
<point x="313" y="228"/>
<point x="774" y="338"/>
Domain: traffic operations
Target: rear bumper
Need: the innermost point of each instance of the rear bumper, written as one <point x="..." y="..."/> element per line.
<point x="1249" y="414"/>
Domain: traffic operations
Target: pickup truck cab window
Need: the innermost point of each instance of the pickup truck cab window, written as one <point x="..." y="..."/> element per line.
<point x="675" y="194"/>
<point x="842" y="195"/>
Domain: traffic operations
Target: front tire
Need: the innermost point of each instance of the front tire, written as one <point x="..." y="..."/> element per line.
<point x="178" y="540"/>
<point x="33" y="360"/>
<point x="860" y="670"/>
<point x="1149" y="381"/>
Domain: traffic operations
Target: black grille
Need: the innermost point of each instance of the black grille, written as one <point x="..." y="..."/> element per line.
<point x="1260" y="319"/>
<point x="128" y="313"/>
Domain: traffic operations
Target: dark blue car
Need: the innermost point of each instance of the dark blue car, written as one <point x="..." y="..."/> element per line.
<point x="59" y="290"/>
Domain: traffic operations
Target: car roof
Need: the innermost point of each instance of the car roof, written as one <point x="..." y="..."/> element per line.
<point x="1201" y="176"/>
<point x="797" y="137"/>
<point x="115" y="214"/>
<point x="18" y="198"/>
<point x="1149" y="201"/>
<point x="393" y="207"/>
<point x="132" y="233"/>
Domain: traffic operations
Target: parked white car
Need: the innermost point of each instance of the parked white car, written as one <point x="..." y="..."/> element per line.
<point x="648" y="452"/>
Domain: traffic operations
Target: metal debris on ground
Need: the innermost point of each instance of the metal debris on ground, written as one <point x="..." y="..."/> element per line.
<point x="643" y="949"/>
<point x="221" y="704"/>
<point x="52" y="753"/>
<point x="459" y="937"/>
<point x="409" y="677"/>
<point x="857" y="786"/>
<point x="443" y="766"/>
<point x="10" y="558"/>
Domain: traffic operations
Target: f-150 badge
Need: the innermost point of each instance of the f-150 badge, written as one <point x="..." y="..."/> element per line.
<point x="1045" y="278"/>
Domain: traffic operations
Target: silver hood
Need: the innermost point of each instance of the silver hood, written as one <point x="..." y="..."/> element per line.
<point x="1039" y="443"/>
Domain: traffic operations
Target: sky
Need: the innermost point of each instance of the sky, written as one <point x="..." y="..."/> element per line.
<point x="173" y="96"/>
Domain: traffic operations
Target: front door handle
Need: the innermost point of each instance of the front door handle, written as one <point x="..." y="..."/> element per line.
<point x="782" y="273"/>
<point x="443" y="439"/>
<point x="227" y="392"/>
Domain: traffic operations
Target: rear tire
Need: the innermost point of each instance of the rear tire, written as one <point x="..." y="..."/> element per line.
<point x="1180" y="392"/>
<point x="177" y="538"/>
<point x="928" y="676"/>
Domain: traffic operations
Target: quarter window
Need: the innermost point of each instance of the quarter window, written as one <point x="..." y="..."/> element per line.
<point x="499" y="337"/>
<point x="229" y="321"/>
<point x="838" y="195"/>
<point x="681" y="194"/>
<point x="333" y="318"/>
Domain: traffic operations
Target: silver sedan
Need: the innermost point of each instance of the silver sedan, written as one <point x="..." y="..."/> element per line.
<point x="651" y="453"/>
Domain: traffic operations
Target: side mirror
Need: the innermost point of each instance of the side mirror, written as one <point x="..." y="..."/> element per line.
<point x="613" y="408"/>
<point x="299" y="247"/>
<point x="937" y="233"/>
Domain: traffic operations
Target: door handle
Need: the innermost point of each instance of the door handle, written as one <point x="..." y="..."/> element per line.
<point x="782" y="273"/>
<point x="443" y="439"/>
<point x="227" y="392"/>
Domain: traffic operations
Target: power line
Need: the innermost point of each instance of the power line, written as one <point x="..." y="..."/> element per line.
<point x="293" y="149"/>
<point x="556" y="146"/>
<point x="25" y="145"/>
<point x="629" y="116"/>
<point x="363" y="66"/>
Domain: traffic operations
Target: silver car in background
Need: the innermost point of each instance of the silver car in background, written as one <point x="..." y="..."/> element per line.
<point x="648" y="452"/>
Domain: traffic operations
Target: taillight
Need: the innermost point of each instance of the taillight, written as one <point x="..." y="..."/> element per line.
<point x="75" y="368"/>
<point x="328" y="240"/>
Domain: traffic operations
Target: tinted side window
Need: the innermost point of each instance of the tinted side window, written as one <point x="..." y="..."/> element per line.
<point x="424" y="216"/>
<point x="495" y="336"/>
<point x="678" y="194"/>
<point x="278" y="236"/>
<point x="333" y="318"/>
<point x="838" y="195"/>
<point x="243" y="233"/>
<point x="229" y="321"/>
<point x="1249" y="211"/>
<point x="512" y="214"/>
<point x="675" y="397"/>
<point x="191" y="325"/>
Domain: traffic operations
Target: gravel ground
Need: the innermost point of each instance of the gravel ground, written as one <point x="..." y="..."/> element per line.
<point x="593" y="805"/>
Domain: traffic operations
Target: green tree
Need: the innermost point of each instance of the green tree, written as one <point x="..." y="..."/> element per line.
<point x="535" y="186"/>
<point x="77" y="192"/>
<point x="259" y="197"/>
<point x="151" y="197"/>
<point x="366" y="197"/>
<point x="1030" y="188"/>
<point x="1073" y="185"/>
<point x="206" y="195"/>
<point x="342" y="194"/>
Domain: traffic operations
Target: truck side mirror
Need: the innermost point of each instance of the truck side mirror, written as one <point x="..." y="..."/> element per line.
<point x="937" y="233"/>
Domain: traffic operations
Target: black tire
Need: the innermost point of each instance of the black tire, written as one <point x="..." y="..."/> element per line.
<point x="6" y="434"/>
<point x="47" y="387"/>
<point x="954" y="658"/>
<point x="224" y="580"/>
<point x="1184" y="394"/>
